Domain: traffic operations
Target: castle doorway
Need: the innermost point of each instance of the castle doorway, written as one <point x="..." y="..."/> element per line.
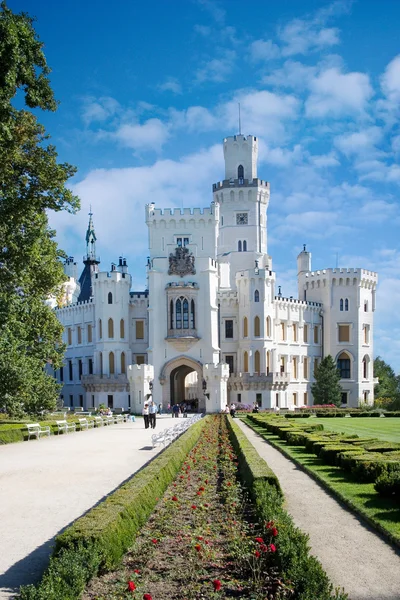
<point x="181" y="379"/>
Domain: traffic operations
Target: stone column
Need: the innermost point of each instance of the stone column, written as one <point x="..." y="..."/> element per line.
<point x="139" y="379"/>
<point x="216" y="377"/>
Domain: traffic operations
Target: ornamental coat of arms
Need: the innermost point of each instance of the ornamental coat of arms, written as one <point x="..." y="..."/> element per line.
<point x="181" y="263"/>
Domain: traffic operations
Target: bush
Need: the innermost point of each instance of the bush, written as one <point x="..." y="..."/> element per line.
<point x="297" y="415"/>
<point x="395" y="413"/>
<point x="388" y="485"/>
<point x="98" y="540"/>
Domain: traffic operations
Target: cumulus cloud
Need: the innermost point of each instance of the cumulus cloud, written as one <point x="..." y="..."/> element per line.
<point x="362" y="142"/>
<point x="99" y="109"/>
<point x="171" y="85"/>
<point x="263" y="50"/>
<point x="151" y="135"/>
<point x="292" y="74"/>
<point x="216" y="69"/>
<point x="338" y="94"/>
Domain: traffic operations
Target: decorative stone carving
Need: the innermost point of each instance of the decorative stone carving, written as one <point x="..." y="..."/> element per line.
<point x="181" y="263"/>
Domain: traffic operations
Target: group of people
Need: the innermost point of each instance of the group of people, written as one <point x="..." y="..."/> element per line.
<point x="149" y="413"/>
<point x="231" y="409"/>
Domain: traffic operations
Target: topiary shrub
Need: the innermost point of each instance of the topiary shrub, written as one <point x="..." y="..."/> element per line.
<point x="388" y="485"/>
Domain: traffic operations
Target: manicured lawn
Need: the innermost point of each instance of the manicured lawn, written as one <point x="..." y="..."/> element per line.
<point x="384" y="513"/>
<point x="385" y="429"/>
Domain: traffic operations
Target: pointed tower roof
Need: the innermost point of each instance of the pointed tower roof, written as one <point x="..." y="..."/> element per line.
<point x="90" y="261"/>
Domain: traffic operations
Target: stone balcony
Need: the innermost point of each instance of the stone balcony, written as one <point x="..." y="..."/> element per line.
<point x="182" y="339"/>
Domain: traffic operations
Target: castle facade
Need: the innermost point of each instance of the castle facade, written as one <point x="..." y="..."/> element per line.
<point x="211" y="328"/>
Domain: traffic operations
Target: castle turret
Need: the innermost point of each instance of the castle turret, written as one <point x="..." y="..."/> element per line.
<point x="91" y="262"/>
<point x="303" y="266"/>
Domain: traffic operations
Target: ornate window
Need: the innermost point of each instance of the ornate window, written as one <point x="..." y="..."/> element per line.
<point x="268" y="326"/>
<point x="245" y="327"/>
<point x="101" y="363"/>
<point x="239" y="246"/>
<point x="109" y="298"/>
<point x="240" y="172"/>
<point x="344" y="366"/>
<point x="192" y="315"/>
<point x="268" y="362"/>
<point x="257" y="365"/>
<point x="123" y="363"/>
<point x="110" y="329"/>
<point x="341" y="304"/>
<point x="171" y="315"/>
<point x="182" y="313"/>
<point x="256" y="326"/>
<point x="365" y="363"/>
<point x="178" y="310"/>
<point x="185" y="314"/>
<point x="122" y="329"/>
<point x="346" y="304"/>
<point x="256" y="296"/>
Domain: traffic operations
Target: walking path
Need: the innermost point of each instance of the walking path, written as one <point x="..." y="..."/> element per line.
<point x="47" y="484"/>
<point x="353" y="556"/>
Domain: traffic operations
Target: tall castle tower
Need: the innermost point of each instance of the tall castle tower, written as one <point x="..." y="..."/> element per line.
<point x="91" y="262"/>
<point x="243" y="200"/>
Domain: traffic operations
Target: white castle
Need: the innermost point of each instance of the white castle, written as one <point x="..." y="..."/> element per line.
<point x="211" y="328"/>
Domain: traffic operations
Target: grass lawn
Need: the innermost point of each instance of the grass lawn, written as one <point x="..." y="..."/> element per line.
<point x="383" y="513"/>
<point x="385" y="429"/>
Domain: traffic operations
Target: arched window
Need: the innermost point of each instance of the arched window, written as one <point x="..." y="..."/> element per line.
<point x="89" y="333"/>
<point x="101" y="363"/>
<point x="240" y="172"/>
<point x="171" y="314"/>
<point x="185" y="314"/>
<point x="122" y="329"/>
<point x="343" y="365"/>
<point x="366" y="306"/>
<point x="365" y="364"/>
<point x="100" y="329"/>
<point x="256" y="296"/>
<point x="257" y="366"/>
<point x="192" y="315"/>
<point x="109" y="298"/>
<point x="239" y="246"/>
<point x="346" y="304"/>
<point x="256" y="326"/>
<point x="244" y="246"/>
<point x="111" y="363"/>
<point x="123" y="364"/>
<point x="268" y="326"/>
<point x="341" y="303"/>
<point x="178" y="309"/>
<point x="245" y="362"/>
<point x="110" y="328"/>
<point x="268" y="362"/>
<point x="245" y="328"/>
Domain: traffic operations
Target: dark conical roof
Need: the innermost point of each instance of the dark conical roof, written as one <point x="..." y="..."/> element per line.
<point x="85" y="281"/>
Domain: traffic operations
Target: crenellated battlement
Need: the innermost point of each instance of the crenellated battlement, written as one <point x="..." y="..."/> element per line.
<point x="154" y="214"/>
<point x="360" y="273"/>
<point x="74" y="307"/>
<point x="285" y="302"/>
<point x="240" y="183"/>
<point x="107" y="276"/>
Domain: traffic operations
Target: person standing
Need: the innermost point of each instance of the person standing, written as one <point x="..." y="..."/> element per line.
<point x="233" y="410"/>
<point x="160" y="409"/>
<point x="145" y="413"/>
<point x="152" y="414"/>
<point x="175" y="411"/>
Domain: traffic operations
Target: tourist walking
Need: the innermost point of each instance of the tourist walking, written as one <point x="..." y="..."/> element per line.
<point x="145" y="413"/>
<point x="152" y="414"/>
<point x="160" y="409"/>
<point x="175" y="411"/>
<point x="233" y="410"/>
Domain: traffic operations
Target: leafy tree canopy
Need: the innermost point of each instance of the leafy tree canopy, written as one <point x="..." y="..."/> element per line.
<point x="389" y="382"/>
<point x="326" y="389"/>
<point x="32" y="182"/>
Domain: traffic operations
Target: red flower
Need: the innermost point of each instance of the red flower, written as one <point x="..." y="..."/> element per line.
<point x="263" y="548"/>
<point x="174" y="498"/>
<point x="147" y="597"/>
<point x="137" y="571"/>
<point x="257" y="554"/>
<point x="154" y="541"/>
<point x="197" y="547"/>
<point x="199" y="493"/>
<point x="272" y="548"/>
<point x="206" y="481"/>
<point x="194" y="506"/>
<point x="269" y="524"/>
<point x="229" y="483"/>
<point x="274" y="531"/>
<point x="131" y="586"/>
<point x="201" y="489"/>
<point x="199" y="537"/>
<point x="217" y="585"/>
<point x="259" y="540"/>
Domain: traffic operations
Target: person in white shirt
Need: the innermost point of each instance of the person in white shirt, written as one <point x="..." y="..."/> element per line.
<point x="152" y="414"/>
<point x="233" y="410"/>
<point x="145" y="413"/>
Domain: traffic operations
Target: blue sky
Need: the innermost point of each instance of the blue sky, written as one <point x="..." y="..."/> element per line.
<point x="148" y="90"/>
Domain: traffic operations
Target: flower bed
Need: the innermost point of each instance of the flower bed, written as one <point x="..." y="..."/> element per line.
<point x="206" y="539"/>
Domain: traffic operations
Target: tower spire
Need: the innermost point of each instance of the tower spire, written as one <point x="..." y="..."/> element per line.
<point x="90" y="239"/>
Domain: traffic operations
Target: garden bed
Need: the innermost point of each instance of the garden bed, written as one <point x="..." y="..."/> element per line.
<point x="209" y="537"/>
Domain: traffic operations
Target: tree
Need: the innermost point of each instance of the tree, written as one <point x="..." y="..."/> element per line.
<point x="389" y="382"/>
<point x="326" y="389"/>
<point x="32" y="182"/>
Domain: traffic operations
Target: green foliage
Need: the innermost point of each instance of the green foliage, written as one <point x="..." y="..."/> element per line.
<point x="32" y="182"/>
<point x="388" y="386"/>
<point x="388" y="485"/>
<point x="98" y="540"/>
<point x="326" y="389"/>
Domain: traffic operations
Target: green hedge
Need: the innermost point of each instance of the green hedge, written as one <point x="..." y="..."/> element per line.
<point x="388" y="485"/>
<point x="98" y="540"/>
<point x="308" y="579"/>
<point x="18" y="432"/>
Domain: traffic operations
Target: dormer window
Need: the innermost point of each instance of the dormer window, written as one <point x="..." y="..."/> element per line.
<point x="182" y="241"/>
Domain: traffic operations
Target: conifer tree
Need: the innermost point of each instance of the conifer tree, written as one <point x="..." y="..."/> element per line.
<point x="32" y="182"/>
<point x="326" y="389"/>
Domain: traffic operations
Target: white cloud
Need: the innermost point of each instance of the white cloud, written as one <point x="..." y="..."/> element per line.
<point x="293" y="74"/>
<point x="195" y="118"/>
<point x="324" y="161"/>
<point x="99" y="109"/>
<point x="217" y="69"/>
<point x="151" y="135"/>
<point x="378" y="211"/>
<point x="338" y="94"/>
<point x="301" y="37"/>
<point x="390" y="80"/>
<point x="171" y="85"/>
<point x="362" y="142"/>
<point x="203" y="30"/>
<point x="263" y="50"/>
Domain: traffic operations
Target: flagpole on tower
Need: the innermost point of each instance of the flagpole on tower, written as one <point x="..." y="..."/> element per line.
<point x="240" y="124"/>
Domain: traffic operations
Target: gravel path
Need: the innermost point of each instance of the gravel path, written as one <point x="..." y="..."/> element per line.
<point x="47" y="484"/>
<point x="353" y="556"/>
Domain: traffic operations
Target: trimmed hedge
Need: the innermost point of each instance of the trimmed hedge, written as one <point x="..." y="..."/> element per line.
<point x="18" y="432"/>
<point x="97" y="541"/>
<point x="309" y="580"/>
<point x="388" y="485"/>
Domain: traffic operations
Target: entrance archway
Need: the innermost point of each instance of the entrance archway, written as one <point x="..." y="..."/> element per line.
<point x="178" y="386"/>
